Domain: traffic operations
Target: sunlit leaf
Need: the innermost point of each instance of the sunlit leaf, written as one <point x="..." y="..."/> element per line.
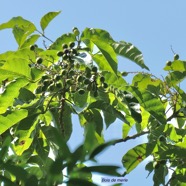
<point x="11" y="92"/>
<point x="129" y="51"/>
<point x="16" y="21"/>
<point x="11" y="119"/>
<point x="134" y="157"/>
<point x="47" y="18"/>
<point x="177" y="65"/>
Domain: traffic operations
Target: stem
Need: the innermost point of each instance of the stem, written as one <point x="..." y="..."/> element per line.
<point x="131" y="137"/>
<point x="43" y="35"/>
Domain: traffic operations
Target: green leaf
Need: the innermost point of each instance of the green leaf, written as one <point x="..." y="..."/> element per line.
<point x="10" y="93"/>
<point x="47" y="18"/>
<point x="150" y="103"/>
<point x="16" y="21"/>
<point x="54" y="136"/>
<point x="107" y="60"/>
<point x="30" y="41"/>
<point x="176" y="65"/>
<point x="23" y="132"/>
<point x="6" y="181"/>
<point x="135" y="156"/>
<point x="129" y="51"/>
<point x="17" y="171"/>
<point x="11" y="119"/>
<point x="14" y="68"/>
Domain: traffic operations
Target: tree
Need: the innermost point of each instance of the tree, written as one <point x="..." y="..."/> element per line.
<point x="42" y="87"/>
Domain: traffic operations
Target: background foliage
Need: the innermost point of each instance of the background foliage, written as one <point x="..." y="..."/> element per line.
<point x="42" y="87"/>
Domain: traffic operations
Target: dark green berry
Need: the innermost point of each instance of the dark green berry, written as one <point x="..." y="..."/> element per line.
<point x="81" y="91"/>
<point x="71" y="44"/>
<point x="86" y="81"/>
<point x="45" y="77"/>
<point x="94" y="69"/>
<point x="57" y="77"/>
<point x="64" y="46"/>
<point x="75" y="31"/>
<point x="32" y="47"/>
<point x="168" y="63"/>
<point x="63" y="72"/>
<point x="176" y="57"/>
<point x="39" y="60"/>
<point x="71" y="73"/>
<point x="80" y="78"/>
<point x="105" y="85"/>
<point x="69" y="81"/>
<point x="59" y="85"/>
<point x="102" y="79"/>
<point x="52" y="87"/>
<point x="124" y="73"/>
<point x="60" y="53"/>
<point x="65" y="57"/>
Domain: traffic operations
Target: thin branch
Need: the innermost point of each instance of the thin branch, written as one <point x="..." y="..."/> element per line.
<point x="42" y="34"/>
<point x="131" y="137"/>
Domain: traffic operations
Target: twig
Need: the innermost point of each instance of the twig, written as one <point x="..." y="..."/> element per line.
<point x="42" y="34"/>
<point x="131" y="137"/>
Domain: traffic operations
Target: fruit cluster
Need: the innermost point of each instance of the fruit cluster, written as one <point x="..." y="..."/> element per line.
<point x="69" y="75"/>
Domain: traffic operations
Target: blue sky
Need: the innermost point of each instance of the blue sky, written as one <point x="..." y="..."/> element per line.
<point x="152" y="26"/>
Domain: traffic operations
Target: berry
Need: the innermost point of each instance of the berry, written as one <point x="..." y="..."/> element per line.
<point x="81" y="91"/>
<point x="39" y="60"/>
<point x="64" y="46"/>
<point x="176" y="57"/>
<point x="124" y="73"/>
<point x="105" y="85"/>
<point x="32" y="47"/>
<point x="86" y="81"/>
<point x="75" y="31"/>
<point x="60" y="53"/>
<point x="94" y="69"/>
<point x="168" y="63"/>
<point x="102" y="79"/>
<point x="71" y="44"/>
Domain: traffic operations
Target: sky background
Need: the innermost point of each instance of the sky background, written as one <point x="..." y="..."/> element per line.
<point x="152" y="26"/>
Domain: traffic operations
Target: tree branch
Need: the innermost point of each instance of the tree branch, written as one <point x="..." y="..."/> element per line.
<point x="131" y="137"/>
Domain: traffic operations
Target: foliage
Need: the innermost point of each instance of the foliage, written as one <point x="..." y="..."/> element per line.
<point x="43" y="87"/>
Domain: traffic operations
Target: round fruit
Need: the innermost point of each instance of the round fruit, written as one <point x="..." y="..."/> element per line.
<point x="94" y="69"/>
<point x="60" y="53"/>
<point x="176" y="57"/>
<point x="168" y="63"/>
<point x="65" y="57"/>
<point x="57" y="77"/>
<point x="58" y="85"/>
<point x="102" y="79"/>
<point x="71" y="44"/>
<point x="86" y="81"/>
<point x="81" y="91"/>
<point x="105" y="85"/>
<point x="39" y="60"/>
<point x="52" y="87"/>
<point x="76" y="31"/>
<point x="63" y="72"/>
<point x="80" y="78"/>
<point x="32" y="47"/>
<point x="45" y="77"/>
<point x="64" y="46"/>
<point x="124" y="73"/>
